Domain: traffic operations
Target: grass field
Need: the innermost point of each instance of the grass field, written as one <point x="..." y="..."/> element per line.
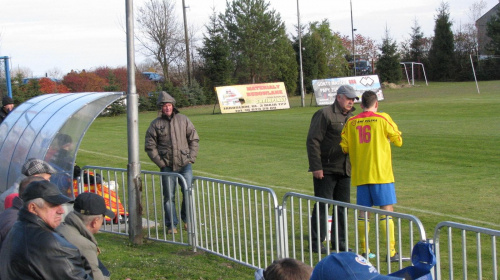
<point x="446" y="170"/>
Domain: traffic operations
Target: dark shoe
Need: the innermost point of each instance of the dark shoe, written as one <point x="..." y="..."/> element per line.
<point x="315" y="248"/>
<point x="396" y="258"/>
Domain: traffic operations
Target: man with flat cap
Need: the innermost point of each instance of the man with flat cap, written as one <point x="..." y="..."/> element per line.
<point x="7" y="107"/>
<point x="81" y="224"/>
<point x="33" y="249"/>
<point x="330" y="167"/>
<point x="32" y="167"/>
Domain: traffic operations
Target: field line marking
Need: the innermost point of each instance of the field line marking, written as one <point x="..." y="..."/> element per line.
<point x="306" y="192"/>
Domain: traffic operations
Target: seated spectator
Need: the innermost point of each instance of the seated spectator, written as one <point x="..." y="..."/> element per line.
<point x="31" y="167"/>
<point x="347" y="266"/>
<point x="9" y="216"/>
<point x="33" y="249"/>
<point x="81" y="224"/>
<point x="285" y="269"/>
<point x="38" y="167"/>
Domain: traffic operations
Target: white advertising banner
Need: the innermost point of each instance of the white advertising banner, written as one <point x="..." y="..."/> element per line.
<point x="252" y="97"/>
<point x="325" y="90"/>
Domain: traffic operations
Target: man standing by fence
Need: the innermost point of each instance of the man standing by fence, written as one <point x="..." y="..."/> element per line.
<point x="172" y="144"/>
<point x="367" y="139"/>
<point x="330" y="167"/>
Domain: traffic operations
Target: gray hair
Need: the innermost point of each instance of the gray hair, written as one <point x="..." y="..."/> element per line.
<point x="87" y="219"/>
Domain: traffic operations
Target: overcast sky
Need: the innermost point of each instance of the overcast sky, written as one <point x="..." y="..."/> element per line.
<point x="75" y="35"/>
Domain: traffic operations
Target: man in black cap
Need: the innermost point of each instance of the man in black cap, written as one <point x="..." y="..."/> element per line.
<point x="33" y="249"/>
<point x="81" y="224"/>
<point x="330" y="167"/>
<point x="7" y="107"/>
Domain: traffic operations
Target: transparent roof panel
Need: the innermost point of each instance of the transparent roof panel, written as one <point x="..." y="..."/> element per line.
<point x="49" y="127"/>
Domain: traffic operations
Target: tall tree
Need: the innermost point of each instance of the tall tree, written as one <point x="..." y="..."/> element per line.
<point x="441" y="54"/>
<point x="160" y="33"/>
<point x="215" y="54"/>
<point x="388" y="64"/>
<point x="256" y="35"/>
<point x="323" y="53"/>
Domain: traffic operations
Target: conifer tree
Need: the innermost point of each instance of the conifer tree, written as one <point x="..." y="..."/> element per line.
<point x="388" y="64"/>
<point x="441" y="54"/>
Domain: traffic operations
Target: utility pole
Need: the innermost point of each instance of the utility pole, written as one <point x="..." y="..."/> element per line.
<point x="186" y="38"/>
<point x="134" y="166"/>
<point x="353" y="49"/>
<point x="302" y="95"/>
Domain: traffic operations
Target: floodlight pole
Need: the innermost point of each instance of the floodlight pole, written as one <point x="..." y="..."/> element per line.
<point x="302" y="95"/>
<point x="353" y="49"/>
<point x="186" y="38"/>
<point x="134" y="167"/>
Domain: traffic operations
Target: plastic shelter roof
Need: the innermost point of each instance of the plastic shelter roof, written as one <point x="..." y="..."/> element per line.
<point x="49" y="127"/>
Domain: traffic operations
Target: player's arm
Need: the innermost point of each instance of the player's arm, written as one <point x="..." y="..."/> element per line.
<point x="393" y="133"/>
<point x="344" y="143"/>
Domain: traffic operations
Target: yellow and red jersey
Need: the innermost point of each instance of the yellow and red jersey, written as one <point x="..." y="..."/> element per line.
<point x="367" y="139"/>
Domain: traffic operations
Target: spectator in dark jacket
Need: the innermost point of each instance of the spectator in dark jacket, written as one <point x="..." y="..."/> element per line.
<point x="7" y="107"/>
<point x="33" y="249"/>
<point x="9" y="216"/>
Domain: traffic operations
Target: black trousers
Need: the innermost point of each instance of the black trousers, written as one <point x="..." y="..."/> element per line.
<point x="335" y="187"/>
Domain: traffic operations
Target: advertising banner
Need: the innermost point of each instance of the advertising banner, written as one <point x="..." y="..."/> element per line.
<point x="325" y="90"/>
<point x="252" y="97"/>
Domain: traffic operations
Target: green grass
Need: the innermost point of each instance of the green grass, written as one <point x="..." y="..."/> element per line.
<point x="447" y="168"/>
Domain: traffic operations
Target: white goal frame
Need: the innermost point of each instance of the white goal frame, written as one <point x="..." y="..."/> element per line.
<point x="413" y="72"/>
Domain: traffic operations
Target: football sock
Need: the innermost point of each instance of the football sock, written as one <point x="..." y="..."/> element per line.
<point x="383" y="225"/>
<point x="363" y="224"/>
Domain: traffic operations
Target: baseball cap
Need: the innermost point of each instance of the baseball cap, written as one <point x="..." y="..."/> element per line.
<point x="347" y="266"/>
<point x="92" y="204"/>
<point x="7" y="100"/>
<point x="35" y="166"/>
<point x="347" y="91"/>
<point x="46" y="190"/>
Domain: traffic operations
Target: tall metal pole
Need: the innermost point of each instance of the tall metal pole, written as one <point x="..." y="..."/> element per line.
<point x="134" y="167"/>
<point x="186" y="38"/>
<point x="7" y="75"/>
<point x="353" y="49"/>
<point x="302" y="94"/>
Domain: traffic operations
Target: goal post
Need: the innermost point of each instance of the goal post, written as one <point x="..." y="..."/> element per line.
<point x="412" y="64"/>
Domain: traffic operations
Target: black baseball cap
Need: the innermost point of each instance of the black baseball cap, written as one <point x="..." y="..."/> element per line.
<point x="46" y="190"/>
<point x="92" y="204"/>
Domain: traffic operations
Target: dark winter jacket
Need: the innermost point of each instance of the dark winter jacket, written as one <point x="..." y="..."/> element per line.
<point x="9" y="217"/>
<point x="323" y="141"/>
<point x="33" y="250"/>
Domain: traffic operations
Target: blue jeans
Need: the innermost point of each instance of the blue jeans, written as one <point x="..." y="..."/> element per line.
<point x="169" y="187"/>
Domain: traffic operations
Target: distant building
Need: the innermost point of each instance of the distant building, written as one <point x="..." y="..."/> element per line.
<point x="482" y="39"/>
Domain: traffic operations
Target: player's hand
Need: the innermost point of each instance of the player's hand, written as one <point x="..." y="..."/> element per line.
<point x="318" y="174"/>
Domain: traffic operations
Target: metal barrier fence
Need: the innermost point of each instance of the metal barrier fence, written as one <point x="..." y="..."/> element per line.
<point x="237" y="221"/>
<point x="468" y="255"/>
<point x="297" y="213"/>
<point x="246" y="224"/>
<point x="111" y="184"/>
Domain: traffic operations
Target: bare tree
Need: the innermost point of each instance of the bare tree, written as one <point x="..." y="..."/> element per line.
<point x="470" y="29"/>
<point x="160" y="33"/>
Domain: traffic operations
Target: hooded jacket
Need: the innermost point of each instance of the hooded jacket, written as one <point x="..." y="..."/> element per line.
<point x="33" y="250"/>
<point x="323" y="141"/>
<point x="171" y="141"/>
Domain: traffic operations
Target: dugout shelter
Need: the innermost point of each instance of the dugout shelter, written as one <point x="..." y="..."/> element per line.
<point x="49" y="127"/>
